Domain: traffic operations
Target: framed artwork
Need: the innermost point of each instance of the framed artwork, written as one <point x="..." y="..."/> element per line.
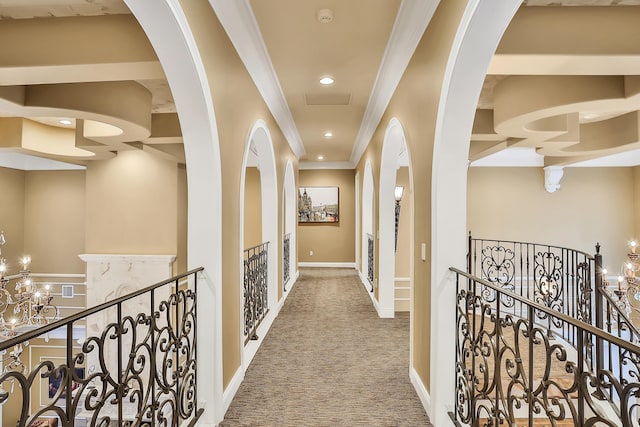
<point x="318" y="204"/>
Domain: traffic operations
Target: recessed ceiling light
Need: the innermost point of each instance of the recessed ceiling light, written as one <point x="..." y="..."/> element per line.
<point x="320" y="157"/>
<point x="327" y="80"/>
<point x="327" y="134"/>
<point x="65" y="122"/>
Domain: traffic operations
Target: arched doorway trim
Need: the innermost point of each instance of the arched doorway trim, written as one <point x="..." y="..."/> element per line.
<point x="166" y="27"/>
<point x="259" y="140"/>
<point x="393" y="145"/>
<point x="477" y="37"/>
<point x="290" y="222"/>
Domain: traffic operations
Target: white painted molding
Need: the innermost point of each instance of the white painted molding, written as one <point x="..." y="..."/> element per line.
<point x="325" y="165"/>
<point x="232" y="389"/>
<point x="161" y="259"/>
<point x="328" y="264"/>
<point x="421" y="390"/>
<point x="411" y="21"/>
<point x="242" y="28"/>
<point x="252" y="347"/>
<point x="552" y="177"/>
<point x="402" y="279"/>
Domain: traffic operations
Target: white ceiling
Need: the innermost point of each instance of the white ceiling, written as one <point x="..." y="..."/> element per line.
<point x="365" y="47"/>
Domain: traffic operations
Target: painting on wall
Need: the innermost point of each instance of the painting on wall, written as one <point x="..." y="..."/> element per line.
<point x="318" y="204"/>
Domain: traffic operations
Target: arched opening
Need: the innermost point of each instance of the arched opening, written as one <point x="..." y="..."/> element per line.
<point x="289" y="228"/>
<point x="394" y="156"/>
<point x="368" y="230"/>
<point x="477" y="37"/>
<point x="259" y="215"/>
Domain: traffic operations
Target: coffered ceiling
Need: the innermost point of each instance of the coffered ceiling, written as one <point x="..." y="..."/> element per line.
<point x="561" y="89"/>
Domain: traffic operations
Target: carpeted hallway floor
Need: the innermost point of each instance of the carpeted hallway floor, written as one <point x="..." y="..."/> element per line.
<point x="330" y="361"/>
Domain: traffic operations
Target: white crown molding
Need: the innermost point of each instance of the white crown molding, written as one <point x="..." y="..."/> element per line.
<point x="411" y="22"/>
<point x="242" y="28"/>
<point x="325" y="165"/>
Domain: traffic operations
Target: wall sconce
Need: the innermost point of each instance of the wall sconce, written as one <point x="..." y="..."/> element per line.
<point x="398" y="196"/>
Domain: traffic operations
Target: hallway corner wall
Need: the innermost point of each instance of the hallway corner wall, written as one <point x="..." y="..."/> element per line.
<point x="330" y="242"/>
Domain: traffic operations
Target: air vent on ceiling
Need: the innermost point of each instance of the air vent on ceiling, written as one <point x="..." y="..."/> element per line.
<point x="327" y="99"/>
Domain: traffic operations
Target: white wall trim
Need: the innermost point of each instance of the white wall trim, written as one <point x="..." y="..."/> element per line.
<point x="421" y="390"/>
<point x="411" y="21"/>
<point x="476" y="39"/>
<point x="252" y="346"/>
<point x="232" y="389"/>
<point x="402" y="279"/>
<point x="236" y="16"/>
<point x="167" y="28"/>
<point x="388" y="313"/>
<point x="328" y="264"/>
<point x="325" y="165"/>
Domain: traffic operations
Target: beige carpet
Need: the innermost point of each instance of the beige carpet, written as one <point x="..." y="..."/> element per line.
<point x="330" y="361"/>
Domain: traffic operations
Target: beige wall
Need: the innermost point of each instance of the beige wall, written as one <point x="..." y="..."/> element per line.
<point x="55" y="220"/>
<point x="12" y="184"/>
<point x="252" y="208"/>
<point x="330" y="242"/>
<point x="402" y="291"/>
<point x="403" y="251"/>
<point x="415" y="105"/>
<point x="593" y="205"/>
<point x="238" y="105"/>
<point x="131" y="205"/>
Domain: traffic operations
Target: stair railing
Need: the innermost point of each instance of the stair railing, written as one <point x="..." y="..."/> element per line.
<point x="510" y="371"/>
<point x="135" y="365"/>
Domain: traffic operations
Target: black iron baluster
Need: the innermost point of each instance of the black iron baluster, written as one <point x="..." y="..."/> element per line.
<point x="153" y="356"/>
<point x="120" y="386"/>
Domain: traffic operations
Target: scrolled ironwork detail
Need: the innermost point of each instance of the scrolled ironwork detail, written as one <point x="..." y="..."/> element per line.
<point x="256" y="286"/>
<point x="140" y="370"/>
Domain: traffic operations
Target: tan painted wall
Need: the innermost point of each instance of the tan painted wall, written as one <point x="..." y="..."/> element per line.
<point x="330" y="242"/>
<point x="181" y="261"/>
<point x="131" y="205"/>
<point x="403" y="251"/>
<point x="12" y="184"/>
<point x="252" y="208"/>
<point x="237" y="104"/>
<point x="415" y="104"/>
<point x="55" y="220"/>
<point x="593" y="205"/>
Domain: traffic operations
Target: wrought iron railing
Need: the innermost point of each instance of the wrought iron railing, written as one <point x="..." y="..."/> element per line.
<point x="256" y="287"/>
<point x="510" y="371"/>
<point x="370" y="261"/>
<point x="285" y="260"/>
<point x="555" y="277"/>
<point x="138" y="369"/>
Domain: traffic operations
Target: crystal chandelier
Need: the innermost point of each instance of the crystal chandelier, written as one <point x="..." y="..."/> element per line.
<point x="29" y="305"/>
<point x="628" y="281"/>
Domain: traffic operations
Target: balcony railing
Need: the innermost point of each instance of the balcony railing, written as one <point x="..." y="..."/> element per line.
<point x="370" y="260"/>
<point x="511" y="371"/>
<point x="139" y="368"/>
<point x="285" y="260"/>
<point x="256" y="287"/>
<point x="555" y="277"/>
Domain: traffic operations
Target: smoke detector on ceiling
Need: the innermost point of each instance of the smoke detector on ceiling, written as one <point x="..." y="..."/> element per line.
<point x="325" y="16"/>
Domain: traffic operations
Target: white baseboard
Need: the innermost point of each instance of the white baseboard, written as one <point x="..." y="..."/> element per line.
<point x="421" y="390"/>
<point x="252" y="347"/>
<point x="232" y="389"/>
<point x="382" y="313"/>
<point x="328" y="264"/>
<point x="292" y="282"/>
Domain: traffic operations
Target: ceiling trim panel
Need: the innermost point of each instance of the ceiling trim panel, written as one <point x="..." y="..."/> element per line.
<point x="411" y="22"/>
<point x="242" y="28"/>
<point x="324" y="165"/>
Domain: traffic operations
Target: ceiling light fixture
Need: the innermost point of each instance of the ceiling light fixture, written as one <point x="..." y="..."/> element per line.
<point x="65" y="122"/>
<point x="327" y="134"/>
<point x="327" y="80"/>
<point x="320" y="157"/>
